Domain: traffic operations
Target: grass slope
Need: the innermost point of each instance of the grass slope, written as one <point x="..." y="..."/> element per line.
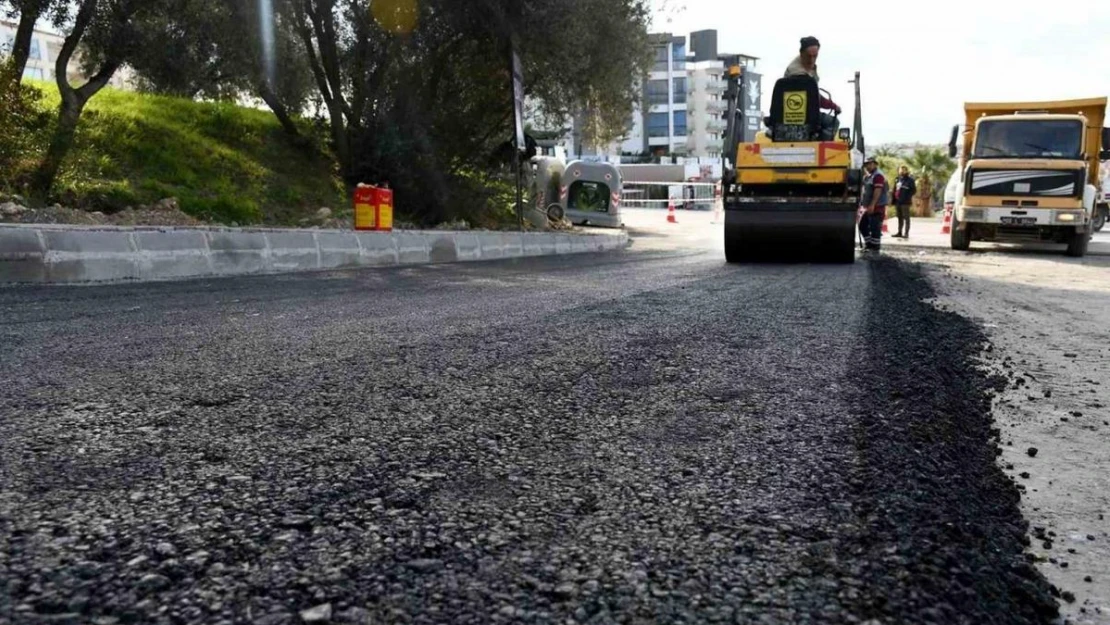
<point x="223" y="162"/>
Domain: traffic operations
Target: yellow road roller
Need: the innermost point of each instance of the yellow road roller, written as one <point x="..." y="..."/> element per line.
<point x="791" y="194"/>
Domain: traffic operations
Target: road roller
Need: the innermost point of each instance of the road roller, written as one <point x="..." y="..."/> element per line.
<point x="791" y="194"/>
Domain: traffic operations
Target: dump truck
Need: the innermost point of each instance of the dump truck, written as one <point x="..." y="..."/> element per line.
<point x="1030" y="172"/>
<point x="792" y="193"/>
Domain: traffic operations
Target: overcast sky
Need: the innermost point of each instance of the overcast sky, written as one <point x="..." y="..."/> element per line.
<point x="918" y="64"/>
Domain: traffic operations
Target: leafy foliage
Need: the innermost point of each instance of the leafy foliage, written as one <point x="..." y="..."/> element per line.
<point x="421" y="107"/>
<point x="933" y="168"/>
<point x="21" y="120"/>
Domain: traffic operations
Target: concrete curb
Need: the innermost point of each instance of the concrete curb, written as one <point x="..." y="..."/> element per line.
<point x="60" y="254"/>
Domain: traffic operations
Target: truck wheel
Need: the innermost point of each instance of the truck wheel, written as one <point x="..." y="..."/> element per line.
<point x="1100" y="219"/>
<point x="961" y="239"/>
<point x="1077" y="244"/>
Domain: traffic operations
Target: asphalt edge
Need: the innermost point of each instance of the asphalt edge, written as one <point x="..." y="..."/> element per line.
<point x="57" y="254"/>
<point x="937" y="511"/>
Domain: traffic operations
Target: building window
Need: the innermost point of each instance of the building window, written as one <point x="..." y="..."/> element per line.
<point x="679" y="56"/>
<point x="657" y="92"/>
<point x="661" y="60"/>
<point x="680" y="91"/>
<point x="680" y="123"/>
<point x="657" y="125"/>
<point x="36" y="52"/>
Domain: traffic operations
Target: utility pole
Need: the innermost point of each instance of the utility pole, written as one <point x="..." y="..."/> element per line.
<point x="857" y="122"/>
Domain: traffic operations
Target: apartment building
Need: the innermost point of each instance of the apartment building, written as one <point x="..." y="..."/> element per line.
<point x="663" y="116"/>
<point x="45" y="47"/>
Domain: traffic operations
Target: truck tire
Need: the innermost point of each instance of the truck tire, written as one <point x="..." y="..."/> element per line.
<point x="1099" y="219"/>
<point x="961" y="239"/>
<point x="1077" y="244"/>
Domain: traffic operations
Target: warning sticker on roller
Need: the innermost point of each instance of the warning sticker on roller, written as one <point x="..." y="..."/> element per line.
<point x="794" y="108"/>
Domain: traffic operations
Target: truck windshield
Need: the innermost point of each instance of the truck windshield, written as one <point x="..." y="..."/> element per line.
<point x="1029" y="139"/>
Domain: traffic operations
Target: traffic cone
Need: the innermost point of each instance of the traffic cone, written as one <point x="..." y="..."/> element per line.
<point x="670" y="213"/>
<point x="946" y="227"/>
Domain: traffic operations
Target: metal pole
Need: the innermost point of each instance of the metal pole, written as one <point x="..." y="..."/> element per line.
<point x="519" y="170"/>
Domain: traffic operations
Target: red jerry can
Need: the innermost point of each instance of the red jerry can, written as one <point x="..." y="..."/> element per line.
<point x="385" y="209"/>
<point x="366" y="207"/>
<point x="373" y="208"/>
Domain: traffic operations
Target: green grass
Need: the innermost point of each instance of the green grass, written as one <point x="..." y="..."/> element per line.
<point x="222" y="162"/>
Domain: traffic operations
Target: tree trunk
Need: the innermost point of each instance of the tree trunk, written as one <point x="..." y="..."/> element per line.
<point x="21" y="50"/>
<point x="342" y="142"/>
<point x="278" y="109"/>
<point x="312" y="23"/>
<point x="73" y="101"/>
<point x="69" y="113"/>
<point x="925" y="197"/>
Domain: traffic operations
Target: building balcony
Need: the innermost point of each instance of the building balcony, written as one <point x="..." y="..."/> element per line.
<point x="716" y="125"/>
<point x="716" y="86"/>
<point x="716" y="106"/>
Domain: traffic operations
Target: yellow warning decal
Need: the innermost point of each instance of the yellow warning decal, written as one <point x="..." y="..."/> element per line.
<point x="794" y="108"/>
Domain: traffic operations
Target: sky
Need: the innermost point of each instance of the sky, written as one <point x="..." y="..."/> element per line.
<point x="918" y="62"/>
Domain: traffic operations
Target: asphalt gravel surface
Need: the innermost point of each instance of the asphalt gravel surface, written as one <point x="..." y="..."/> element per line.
<point x="624" y="438"/>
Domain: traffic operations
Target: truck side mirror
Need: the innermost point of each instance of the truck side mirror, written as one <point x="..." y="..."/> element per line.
<point x="846" y="135"/>
<point x="1104" y="155"/>
<point x="952" y="142"/>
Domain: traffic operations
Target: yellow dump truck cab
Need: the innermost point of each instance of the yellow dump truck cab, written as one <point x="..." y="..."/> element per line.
<point x="792" y="192"/>
<point x="1030" y="172"/>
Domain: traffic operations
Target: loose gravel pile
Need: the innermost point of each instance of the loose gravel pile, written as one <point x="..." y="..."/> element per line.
<point x="493" y="444"/>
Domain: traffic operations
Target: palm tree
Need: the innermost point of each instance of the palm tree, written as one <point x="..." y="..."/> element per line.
<point x="932" y="167"/>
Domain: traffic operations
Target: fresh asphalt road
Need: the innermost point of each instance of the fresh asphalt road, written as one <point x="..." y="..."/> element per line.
<point x="644" y="436"/>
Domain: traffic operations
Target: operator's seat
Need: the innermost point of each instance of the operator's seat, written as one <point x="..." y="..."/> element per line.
<point x="795" y="110"/>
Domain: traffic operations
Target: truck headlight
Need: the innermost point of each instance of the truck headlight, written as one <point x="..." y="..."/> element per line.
<point x="1069" y="218"/>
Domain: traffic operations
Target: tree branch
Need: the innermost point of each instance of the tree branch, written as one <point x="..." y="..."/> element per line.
<point x="301" y="11"/>
<point x="84" y="17"/>
<point x="323" y="24"/>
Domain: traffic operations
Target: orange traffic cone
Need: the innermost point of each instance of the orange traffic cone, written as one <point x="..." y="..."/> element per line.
<point x="670" y="213"/>
<point x="946" y="227"/>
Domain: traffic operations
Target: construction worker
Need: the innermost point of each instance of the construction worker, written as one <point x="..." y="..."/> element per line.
<point x="873" y="205"/>
<point x="805" y="64"/>
<point x="904" y="189"/>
